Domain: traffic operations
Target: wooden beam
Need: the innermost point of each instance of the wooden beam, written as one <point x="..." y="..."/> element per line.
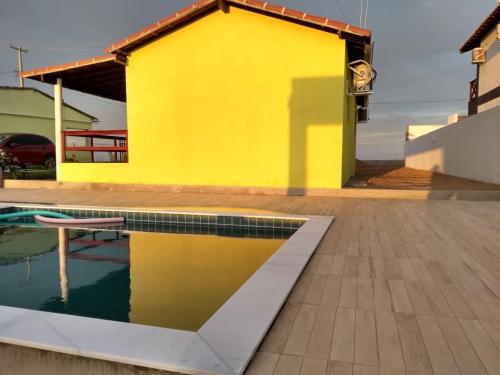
<point x="223" y="5"/>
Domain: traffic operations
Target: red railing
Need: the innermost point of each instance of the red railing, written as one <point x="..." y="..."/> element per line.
<point x="473" y="89"/>
<point x="117" y="152"/>
<point x="473" y="95"/>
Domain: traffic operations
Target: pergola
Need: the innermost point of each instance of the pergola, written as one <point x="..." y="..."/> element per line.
<point x="102" y="76"/>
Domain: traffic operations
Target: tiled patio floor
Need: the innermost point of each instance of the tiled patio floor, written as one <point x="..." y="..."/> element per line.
<point x="396" y="286"/>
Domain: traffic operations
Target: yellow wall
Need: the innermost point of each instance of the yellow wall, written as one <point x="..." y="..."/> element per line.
<point x="236" y="99"/>
<point x="179" y="280"/>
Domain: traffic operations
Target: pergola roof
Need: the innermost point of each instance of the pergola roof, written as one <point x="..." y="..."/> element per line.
<point x="101" y="76"/>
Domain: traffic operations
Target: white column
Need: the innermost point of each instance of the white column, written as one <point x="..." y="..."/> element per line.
<point x="58" y="117"/>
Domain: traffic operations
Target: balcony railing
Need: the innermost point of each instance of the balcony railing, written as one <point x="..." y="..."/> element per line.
<point x="112" y="143"/>
<point x="473" y="97"/>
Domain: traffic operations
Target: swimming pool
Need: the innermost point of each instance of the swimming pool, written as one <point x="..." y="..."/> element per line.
<point x="166" y="280"/>
<point x="181" y="291"/>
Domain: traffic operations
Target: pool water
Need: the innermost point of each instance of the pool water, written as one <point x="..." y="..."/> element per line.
<point x="167" y="280"/>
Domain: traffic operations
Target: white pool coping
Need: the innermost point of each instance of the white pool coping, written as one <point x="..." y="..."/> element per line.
<point x="225" y="344"/>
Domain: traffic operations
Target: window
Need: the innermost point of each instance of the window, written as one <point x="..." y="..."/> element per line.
<point x="29" y="140"/>
<point x="39" y="140"/>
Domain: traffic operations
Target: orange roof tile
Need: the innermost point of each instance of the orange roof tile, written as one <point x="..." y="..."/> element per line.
<point x="66" y="66"/>
<point x="475" y="39"/>
<point x="169" y="23"/>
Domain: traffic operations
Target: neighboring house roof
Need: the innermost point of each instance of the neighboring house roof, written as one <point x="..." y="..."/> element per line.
<point x="92" y="118"/>
<point x="170" y="23"/>
<point x="475" y="39"/>
<point x="105" y="75"/>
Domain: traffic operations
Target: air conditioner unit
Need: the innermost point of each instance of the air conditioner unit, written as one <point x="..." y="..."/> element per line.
<point x="479" y="55"/>
<point x="363" y="78"/>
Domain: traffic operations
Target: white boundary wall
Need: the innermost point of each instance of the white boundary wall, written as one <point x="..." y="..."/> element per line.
<point x="468" y="149"/>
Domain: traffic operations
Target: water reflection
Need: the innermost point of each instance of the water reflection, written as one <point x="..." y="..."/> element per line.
<point x="63" y="250"/>
<point x="160" y="279"/>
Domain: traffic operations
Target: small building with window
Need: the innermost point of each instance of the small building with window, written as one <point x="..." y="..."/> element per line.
<point x="484" y="45"/>
<point x="29" y="110"/>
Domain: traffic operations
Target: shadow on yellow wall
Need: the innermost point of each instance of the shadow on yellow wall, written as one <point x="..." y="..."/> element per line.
<point x="316" y="129"/>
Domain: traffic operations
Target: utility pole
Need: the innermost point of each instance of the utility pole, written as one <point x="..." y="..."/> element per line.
<point x="20" y="52"/>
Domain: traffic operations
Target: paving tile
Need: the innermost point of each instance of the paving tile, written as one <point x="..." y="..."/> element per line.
<point x="400" y="300"/>
<point x="263" y="364"/>
<point x="389" y="345"/>
<point x="343" y="335"/>
<point x="365" y="342"/>
<point x="348" y="292"/>
<point x="311" y="366"/>
<point x="364" y="293"/>
<point x="437" y="347"/>
<point x="414" y="351"/>
<point x="301" y="331"/>
<point x="288" y="365"/>
<point x="322" y="334"/>
<point x="463" y="352"/>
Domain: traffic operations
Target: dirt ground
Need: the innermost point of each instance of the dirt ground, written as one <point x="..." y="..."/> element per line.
<point x="373" y="175"/>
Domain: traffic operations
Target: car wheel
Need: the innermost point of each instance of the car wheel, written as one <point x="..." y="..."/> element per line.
<point x="50" y="162"/>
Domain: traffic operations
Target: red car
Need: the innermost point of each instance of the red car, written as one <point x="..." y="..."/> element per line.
<point x="24" y="149"/>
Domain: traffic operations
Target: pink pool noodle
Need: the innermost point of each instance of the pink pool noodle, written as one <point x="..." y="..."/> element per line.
<point x="96" y="221"/>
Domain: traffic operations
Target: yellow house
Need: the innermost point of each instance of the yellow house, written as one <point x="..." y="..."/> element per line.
<point x="237" y="95"/>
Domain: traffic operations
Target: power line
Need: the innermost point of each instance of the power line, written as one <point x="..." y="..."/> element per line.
<point x="366" y="13"/>
<point x="361" y="14"/>
<point x="64" y="49"/>
<point x="422" y="101"/>
<point x="12" y="71"/>
<point x="31" y="44"/>
<point x="62" y="46"/>
<point x="342" y="11"/>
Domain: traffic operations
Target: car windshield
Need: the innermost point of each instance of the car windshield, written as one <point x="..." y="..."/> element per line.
<point x="3" y="137"/>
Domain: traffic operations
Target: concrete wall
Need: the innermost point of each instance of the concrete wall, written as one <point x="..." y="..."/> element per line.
<point x="468" y="149"/>
<point x="237" y="99"/>
<point x="415" y="131"/>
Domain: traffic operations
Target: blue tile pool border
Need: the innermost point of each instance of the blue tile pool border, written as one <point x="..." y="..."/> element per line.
<point x="225" y="344"/>
<point x="207" y="219"/>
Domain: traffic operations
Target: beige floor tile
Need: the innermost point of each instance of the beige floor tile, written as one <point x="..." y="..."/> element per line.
<point x="312" y="366"/>
<point x="262" y="364"/>
<point x="343" y="336"/>
<point x="288" y="365"/>
<point x="322" y="334"/>
<point x="389" y="345"/>
<point x="365" y="342"/>
<point x="301" y="331"/>
<point x="414" y="351"/>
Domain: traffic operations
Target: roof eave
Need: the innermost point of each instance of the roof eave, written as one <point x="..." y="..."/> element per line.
<point x="202" y="7"/>
<point x="475" y="39"/>
<point x="104" y="76"/>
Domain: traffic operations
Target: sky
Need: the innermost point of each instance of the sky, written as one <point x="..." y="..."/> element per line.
<point x="422" y="78"/>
